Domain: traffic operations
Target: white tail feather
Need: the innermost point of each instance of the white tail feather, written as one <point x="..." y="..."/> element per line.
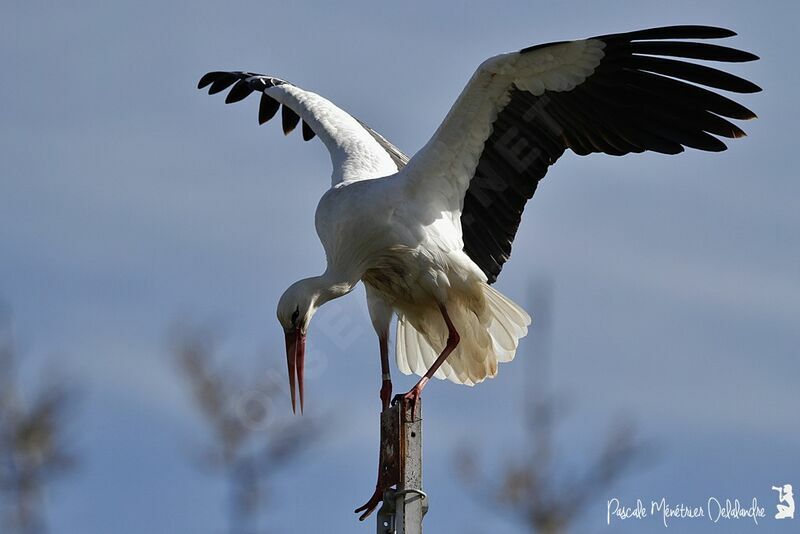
<point x="489" y="335"/>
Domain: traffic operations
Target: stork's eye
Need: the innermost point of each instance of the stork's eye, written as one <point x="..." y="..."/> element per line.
<point x="295" y="315"/>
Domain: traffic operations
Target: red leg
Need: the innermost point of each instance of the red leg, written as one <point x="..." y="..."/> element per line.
<point x="377" y="497"/>
<point x="386" y="387"/>
<point x="452" y="342"/>
<point x="386" y="395"/>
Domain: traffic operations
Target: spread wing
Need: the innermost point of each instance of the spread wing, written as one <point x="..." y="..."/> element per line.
<point x="357" y="152"/>
<point x="614" y="94"/>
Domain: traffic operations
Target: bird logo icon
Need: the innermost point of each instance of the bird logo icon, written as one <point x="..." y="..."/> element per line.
<point x="785" y="502"/>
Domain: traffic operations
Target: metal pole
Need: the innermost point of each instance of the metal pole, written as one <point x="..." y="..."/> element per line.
<point x="401" y="458"/>
<point x="410" y="501"/>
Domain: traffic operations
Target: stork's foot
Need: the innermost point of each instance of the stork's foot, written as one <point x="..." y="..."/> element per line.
<point x="386" y="394"/>
<point x="372" y="503"/>
<point x="414" y="394"/>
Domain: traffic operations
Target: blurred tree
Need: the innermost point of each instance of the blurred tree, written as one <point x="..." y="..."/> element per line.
<point x="533" y="488"/>
<point x="32" y="444"/>
<point x="249" y="442"/>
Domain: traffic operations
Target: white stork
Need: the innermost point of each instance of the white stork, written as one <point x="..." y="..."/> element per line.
<point x="428" y="235"/>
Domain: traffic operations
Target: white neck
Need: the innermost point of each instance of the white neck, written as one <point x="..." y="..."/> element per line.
<point x="328" y="286"/>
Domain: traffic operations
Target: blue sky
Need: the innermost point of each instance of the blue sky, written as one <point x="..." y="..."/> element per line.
<point x="129" y="201"/>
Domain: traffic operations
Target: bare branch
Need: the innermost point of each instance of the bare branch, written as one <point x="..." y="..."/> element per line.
<point x="249" y="442"/>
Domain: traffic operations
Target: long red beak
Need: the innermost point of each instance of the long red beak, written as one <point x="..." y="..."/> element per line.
<point x="295" y="358"/>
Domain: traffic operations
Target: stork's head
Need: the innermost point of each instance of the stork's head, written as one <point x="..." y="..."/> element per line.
<point x="295" y="309"/>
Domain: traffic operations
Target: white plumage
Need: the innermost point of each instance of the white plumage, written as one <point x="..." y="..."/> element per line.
<point x="355" y="155"/>
<point x="428" y="235"/>
<point x="494" y="329"/>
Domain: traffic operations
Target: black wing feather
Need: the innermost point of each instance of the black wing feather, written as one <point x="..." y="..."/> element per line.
<point x="267" y="108"/>
<point x="289" y="119"/>
<point x="690" y="50"/>
<point x="245" y="83"/>
<point x="308" y="133"/>
<point x="639" y="98"/>
<point x="220" y="84"/>
<point x="240" y="91"/>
